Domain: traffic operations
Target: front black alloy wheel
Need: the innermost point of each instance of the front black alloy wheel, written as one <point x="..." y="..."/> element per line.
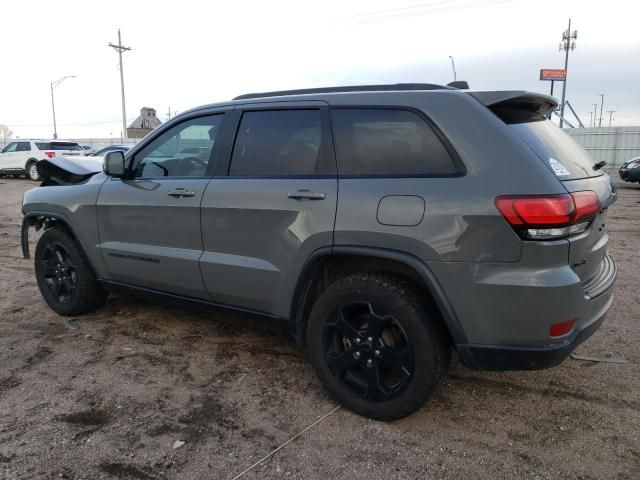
<point x="58" y="272"/>
<point x="64" y="275"/>
<point x="378" y="345"/>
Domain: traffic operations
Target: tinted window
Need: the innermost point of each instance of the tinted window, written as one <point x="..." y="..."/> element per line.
<point x="387" y="142"/>
<point x="58" y="146"/>
<point x="563" y="155"/>
<point x="23" y="147"/>
<point x="182" y="151"/>
<point x="10" y="148"/>
<point x="277" y="142"/>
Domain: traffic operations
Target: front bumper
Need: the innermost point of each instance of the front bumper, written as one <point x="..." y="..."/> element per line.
<point x="632" y="175"/>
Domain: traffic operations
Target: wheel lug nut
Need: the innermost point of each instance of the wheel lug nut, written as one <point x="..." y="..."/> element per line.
<point x="356" y="355"/>
<point x="357" y="340"/>
<point x="377" y="353"/>
<point x="369" y="363"/>
<point x="369" y="339"/>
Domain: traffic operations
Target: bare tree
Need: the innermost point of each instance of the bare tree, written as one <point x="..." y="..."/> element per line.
<point x="5" y="133"/>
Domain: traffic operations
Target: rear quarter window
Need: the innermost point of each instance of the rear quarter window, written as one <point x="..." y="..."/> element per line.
<point x="58" y="146"/>
<point x="566" y="158"/>
<point x="388" y="142"/>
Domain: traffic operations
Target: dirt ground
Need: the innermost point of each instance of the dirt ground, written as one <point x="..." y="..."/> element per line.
<point x="107" y="395"/>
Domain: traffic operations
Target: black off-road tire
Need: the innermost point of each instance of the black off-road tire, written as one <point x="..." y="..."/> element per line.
<point x="420" y="323"/>
<point x="86" y="295"/>
<point x="32" y="171"/>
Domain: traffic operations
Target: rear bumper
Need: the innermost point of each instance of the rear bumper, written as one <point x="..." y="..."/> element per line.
<point x="501" y="358"/>
<point x="506" y="311"/>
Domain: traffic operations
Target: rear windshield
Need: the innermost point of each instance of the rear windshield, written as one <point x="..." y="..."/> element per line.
<point x="567" y="159"/>
<point x="58" y="146"/>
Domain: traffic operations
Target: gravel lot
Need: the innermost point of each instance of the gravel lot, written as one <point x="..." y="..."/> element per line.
<point x="107" y="395"/>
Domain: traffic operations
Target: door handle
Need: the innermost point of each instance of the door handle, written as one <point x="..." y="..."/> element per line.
<point x="307" y="195"/>
<point x="181" y="193"/>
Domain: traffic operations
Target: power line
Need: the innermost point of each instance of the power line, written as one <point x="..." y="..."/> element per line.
<point x="376" y="18"/>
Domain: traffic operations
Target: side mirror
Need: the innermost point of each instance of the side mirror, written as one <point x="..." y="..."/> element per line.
<point x="114" y="164"/>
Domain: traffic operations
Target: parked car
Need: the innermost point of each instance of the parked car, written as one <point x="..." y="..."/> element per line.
<point x="88" y="149"/>
<point x="111" y="148"/>
<point x="20" y="157"/>
<point x="630" y="171"/>
<point x="385" y="226"/>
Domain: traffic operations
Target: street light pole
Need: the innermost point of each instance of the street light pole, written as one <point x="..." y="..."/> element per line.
<point x="601" y="104"/>
<point x="53" y="104"/>
<point x="453" y="67"/>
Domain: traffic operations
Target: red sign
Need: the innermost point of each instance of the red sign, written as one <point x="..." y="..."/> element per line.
<point x="553" y="74"/>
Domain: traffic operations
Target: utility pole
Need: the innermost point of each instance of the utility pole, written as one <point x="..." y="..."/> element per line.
<point x="453" y="67"/>
<point x="121" y="48"/>
<point x="568" y="43"/>
<point x="610" y="115"/>
<point x="169" y="114"/>
<point x="601" y="104"/>
<point x="590" y="119"/>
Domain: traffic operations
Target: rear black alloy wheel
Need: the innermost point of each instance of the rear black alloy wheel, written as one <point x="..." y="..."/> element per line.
<point x="378" y="345"/>
<point x="64" y="275"/>
<point x="368" y="350"/>
<point x="59" y="272"/>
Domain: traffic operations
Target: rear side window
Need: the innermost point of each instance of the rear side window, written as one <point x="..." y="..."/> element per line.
<point x="58" y="146"/>
<point x="380" y="141"/>
<point x="277" y="143"/>
<point x="566" y="158"/>
<point x="23" y="147"/>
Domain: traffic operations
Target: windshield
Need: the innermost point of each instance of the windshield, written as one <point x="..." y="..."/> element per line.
<point x="566" y="158"/>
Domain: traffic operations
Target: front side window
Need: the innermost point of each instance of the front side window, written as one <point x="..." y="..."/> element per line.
<point x="277" y="143"/>
<point x="182" y="151"/>
<point x="380" y="141"/>
<point x="10" y="148"/>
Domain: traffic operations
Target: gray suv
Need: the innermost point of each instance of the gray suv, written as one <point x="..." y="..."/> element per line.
<point x="385" y="226"/>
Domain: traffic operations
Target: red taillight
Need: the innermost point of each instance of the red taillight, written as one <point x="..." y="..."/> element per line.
<point x="562" y="328"/>
<point x="50" y="154"/>
<point x="587" y="205"/>
<point x="536" y="210"/>
<point x="549" y="216"/>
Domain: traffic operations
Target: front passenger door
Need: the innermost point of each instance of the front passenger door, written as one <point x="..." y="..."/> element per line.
<point x="149" y="224"/>
<point x="8" y="157"/>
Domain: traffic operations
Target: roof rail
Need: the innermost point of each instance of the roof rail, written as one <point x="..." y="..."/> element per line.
<point x="351" y="88"/>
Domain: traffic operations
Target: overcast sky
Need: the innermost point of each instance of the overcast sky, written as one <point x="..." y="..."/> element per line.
<point x="187" y="53"/>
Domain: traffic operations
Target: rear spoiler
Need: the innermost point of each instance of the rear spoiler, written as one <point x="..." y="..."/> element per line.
<point x="517" y="99"/>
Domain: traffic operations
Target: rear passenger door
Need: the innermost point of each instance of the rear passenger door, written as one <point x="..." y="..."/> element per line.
<point x="398" y="182"/>
<point x="271" y="206"/>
